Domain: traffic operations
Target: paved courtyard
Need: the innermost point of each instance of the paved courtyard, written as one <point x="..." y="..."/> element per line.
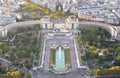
<point x="49" y="74"/>
<point x="59" y="41"/>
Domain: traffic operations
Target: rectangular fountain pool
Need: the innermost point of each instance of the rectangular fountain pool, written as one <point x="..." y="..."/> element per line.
<point x="60" y="60"/>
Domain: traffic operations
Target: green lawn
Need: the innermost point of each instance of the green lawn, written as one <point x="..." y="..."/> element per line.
<point x="52" y="56"/>
<point x="67" y="56"/>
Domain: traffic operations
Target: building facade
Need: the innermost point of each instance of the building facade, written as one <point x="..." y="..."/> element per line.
<point x="70" y="23"/>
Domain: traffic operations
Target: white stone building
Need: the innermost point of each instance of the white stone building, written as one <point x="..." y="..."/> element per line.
<point x="6" y="20"/>
<point x="72" y="22"/>
<point x="3" y="33"/>
<point x="46" y="23"/>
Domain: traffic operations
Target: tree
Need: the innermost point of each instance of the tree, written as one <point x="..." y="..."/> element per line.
<point x="87" y="46"/>
<point x="112" y="50"/>
<point x="117" y="61"/>
<point x="97" y="72"/>
<point x="0" y="52"/>
<point x="89" y="34"/>
<point x="118" y="50"/>
<point x="98" y="44"/>
<point x="28" y="76"/>
<point x="92" y="48"/>
<point x="95" y="52"/>
<point x="118" y="57"/>
<point x="104" y="51"/>
<point x="98" y="37"/>
<point x="89" y="55"/>
<point x="31" y="55"/>
<point x="79" y="38"/>
<point x="11" y="34"/>
<point x="15" y="74"/>
<point x="91" y="73"/>
<point x="22" y="74"/>
<point x="28" y="65"/>
<point x="106" y="66"/>
<point x="21" y="54"/>
<point x="16" y="62"/>
<point x="83" y="58"/>
<point x="12" y="55"/>
<point x="115" y="70"/>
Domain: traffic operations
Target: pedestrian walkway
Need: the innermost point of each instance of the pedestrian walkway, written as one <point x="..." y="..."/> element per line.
<point x="60" y="41"/>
